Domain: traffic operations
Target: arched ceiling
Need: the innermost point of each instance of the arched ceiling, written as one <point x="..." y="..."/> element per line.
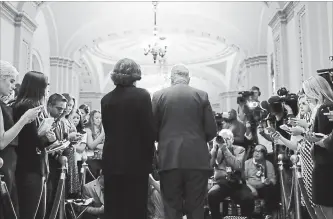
<point x="207" y="36"/>
<point x="83" y="23"/>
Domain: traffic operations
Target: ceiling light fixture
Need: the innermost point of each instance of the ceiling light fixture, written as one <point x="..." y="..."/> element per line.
<point x="157" y="47"/>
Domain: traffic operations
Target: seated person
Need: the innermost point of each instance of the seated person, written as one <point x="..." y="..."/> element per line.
<point x="95" y="190"/>
<point x="227" y="160"/>
<point x="260" y="177"/>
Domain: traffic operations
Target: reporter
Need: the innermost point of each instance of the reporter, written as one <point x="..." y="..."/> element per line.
<point x="320" y="97"/>
<point x="29" y="173"/>
<point x="9" y="129"/>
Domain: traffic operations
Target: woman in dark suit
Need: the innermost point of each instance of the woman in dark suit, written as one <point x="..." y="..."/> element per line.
<point x="29" y="161"/>
<point x="9" y="131"/>
<point x="320" y="98"/>
<point x="129" y="142"/>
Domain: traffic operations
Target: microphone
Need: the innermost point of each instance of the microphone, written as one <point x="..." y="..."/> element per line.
<point x="63" y="160"/>
<point x="1" y="162"/>
<point x="84" y="157"/>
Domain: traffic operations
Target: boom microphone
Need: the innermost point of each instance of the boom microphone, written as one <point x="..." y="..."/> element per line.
<point x="1" y="162"/>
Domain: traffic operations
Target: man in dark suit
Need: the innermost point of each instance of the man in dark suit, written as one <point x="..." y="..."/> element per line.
<point x="185" y="123"/>
<point x="127" y="119"/>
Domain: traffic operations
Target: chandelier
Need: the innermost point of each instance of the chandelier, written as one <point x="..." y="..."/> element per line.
<point x="157" y="47"/>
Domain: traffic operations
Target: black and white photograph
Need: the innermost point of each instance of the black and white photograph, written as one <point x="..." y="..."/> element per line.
<point x="166" y="109"/>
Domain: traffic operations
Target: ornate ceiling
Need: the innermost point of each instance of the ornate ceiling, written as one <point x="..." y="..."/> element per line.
<point x="207" y="36"/>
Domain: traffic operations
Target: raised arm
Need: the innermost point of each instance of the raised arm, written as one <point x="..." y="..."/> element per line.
<point x="6" y="137"/>
<point x="91" y="143"/>
<point x="235" y="161"/>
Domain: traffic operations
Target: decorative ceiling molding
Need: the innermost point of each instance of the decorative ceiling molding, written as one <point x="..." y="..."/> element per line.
<point x="94" y="45"/>
<point x="284" y="15"/>
<point x="17" y="18"/>
<point x="63" y="62"/>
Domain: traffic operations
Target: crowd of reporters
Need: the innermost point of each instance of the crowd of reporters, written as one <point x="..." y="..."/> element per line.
<point x="243" y="156"/>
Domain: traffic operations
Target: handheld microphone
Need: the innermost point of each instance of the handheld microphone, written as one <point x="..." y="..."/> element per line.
<point x="63" y="161"/>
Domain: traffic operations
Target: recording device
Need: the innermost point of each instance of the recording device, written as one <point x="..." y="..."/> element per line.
<point x="220" y="139"/>
<point x="244" y="97"/>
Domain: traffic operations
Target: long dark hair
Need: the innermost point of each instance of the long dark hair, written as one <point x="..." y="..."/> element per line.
<point x="79" y="127"/>
<point x="91" y="124"/>
<point x="32" y="89"/>
<point x="69" y="98"/>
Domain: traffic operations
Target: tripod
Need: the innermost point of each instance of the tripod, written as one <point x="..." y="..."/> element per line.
<point x="84" y="170"/>
<point x="6" y="204"/>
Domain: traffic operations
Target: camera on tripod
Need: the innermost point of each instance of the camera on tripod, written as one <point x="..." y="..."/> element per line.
<point x="244" y="97"/>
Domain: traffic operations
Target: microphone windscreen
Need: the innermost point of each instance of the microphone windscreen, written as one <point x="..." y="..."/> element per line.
<point x="264" y="105"/>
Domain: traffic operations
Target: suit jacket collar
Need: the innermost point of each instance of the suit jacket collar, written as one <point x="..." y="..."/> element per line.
<point x="97" y="189"/>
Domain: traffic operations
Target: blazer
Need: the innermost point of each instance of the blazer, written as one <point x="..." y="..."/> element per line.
<point x="323" y="125"/>
<point x="184" y="123"/>
<point x="127" y="119"/>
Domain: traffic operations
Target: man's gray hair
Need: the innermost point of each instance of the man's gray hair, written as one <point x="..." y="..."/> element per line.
<point x="180" y="70"/>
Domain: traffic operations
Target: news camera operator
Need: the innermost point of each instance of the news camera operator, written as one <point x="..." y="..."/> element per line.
<point x="320" y="97"/>
<point x="282" y="108"/>
<point x="238" y="128"/>
<point x="228" y="162"/>
<point x="251" y="114"/>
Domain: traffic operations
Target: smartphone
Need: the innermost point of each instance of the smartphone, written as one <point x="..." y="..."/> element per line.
<point x="319" y="135"/>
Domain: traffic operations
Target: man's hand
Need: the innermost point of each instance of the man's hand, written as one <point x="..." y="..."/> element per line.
<point x="253" y="190"/>
<point x="267" y="181"/>
<point x="74" y="136"/>
<point x="223" y="146"/>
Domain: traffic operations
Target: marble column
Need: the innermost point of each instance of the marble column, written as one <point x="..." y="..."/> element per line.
<point x="278" y="25"/>
<point x="258" y="75"/>
<point x="228" y="100"/>
<point x="63" y="73"/>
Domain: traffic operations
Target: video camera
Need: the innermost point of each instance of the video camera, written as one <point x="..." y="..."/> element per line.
<point x="254" y="113"/>
<point x="244" y="97"/>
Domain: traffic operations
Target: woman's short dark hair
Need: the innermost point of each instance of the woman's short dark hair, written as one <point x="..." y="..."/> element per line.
<point x="32" y="88"/>
<point x="126" y="72"/>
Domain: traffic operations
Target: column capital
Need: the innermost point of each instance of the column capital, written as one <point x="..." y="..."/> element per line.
<point x="17" y="18"/>
<point x="256" y="60"/>
<point x="229" y="94"/>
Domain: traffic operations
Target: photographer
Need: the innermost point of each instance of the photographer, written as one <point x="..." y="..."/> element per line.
<point x="256" y="94"/>
<point x="228" y="161"/>
<point x="237" y="128"/>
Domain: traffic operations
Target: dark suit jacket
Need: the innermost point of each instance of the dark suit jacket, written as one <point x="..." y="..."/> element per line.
<point x="129" y="131"/>
<point x="185" y="123"/>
